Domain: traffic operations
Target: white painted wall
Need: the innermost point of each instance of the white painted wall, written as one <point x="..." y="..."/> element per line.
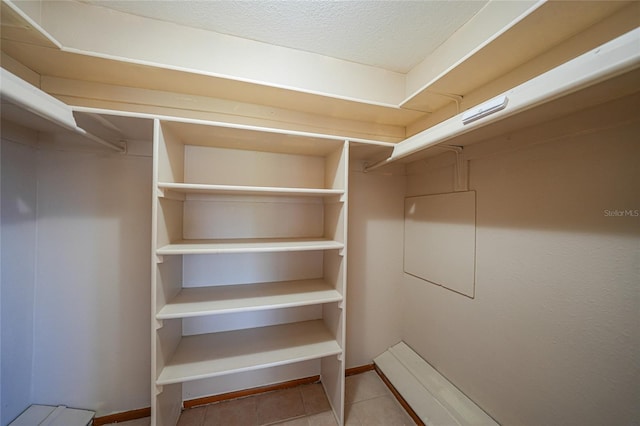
<point x="92" y="309"/>
<point x="552" y="336"/>
<point x="376" y="211"/>
<point x="18" y="223"/>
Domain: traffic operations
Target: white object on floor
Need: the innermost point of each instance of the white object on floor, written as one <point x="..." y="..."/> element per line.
<point x="46" y="415"/>
<point x="433" y="398"/>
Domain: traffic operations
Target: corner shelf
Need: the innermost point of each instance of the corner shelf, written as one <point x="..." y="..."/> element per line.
<point x="198" y="301"/>
<point x="211" y="355"/>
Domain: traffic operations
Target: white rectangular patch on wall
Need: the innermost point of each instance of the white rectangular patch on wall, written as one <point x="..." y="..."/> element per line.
<point x="440" y="239"/>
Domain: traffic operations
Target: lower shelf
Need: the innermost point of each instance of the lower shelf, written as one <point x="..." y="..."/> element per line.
<point x="217" y="354"/>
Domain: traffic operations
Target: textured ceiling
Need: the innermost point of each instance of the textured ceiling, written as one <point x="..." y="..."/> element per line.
<point x="394" y="35"/>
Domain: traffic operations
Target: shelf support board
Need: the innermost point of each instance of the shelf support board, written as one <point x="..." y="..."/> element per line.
<point x="168" y="194"/>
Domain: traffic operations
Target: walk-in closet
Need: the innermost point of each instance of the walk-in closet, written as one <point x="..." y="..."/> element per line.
<point x="206" y="201"/>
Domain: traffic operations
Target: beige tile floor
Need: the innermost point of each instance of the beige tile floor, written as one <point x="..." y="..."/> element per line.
<point x="368" y="402"/>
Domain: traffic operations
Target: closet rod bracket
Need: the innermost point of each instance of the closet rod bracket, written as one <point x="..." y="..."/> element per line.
<point x="461" y="178"/>
<point x="456" y="98"/>
<point x="124" y="145"/>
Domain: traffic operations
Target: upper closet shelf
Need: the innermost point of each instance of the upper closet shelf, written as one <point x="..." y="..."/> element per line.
<point x="31" y="107"/>
<point x="258" y="245"/>
<point x="198" y="301"/>
<point x="196" y="188"/>
<point x="603" y="74"/>
<point x="251" y="138"/>
<point x="211" y="355"/>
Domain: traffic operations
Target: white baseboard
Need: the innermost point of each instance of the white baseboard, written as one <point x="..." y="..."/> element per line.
<point x="433" y="398"/>
<point x="47" y="415"/>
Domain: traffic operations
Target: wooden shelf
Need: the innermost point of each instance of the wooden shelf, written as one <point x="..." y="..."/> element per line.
<point x="191" y="302"/>
<point x="604" y="74"/>
<point x="197" y="188"/>
<point x="211" y="355"/>
<point x="503" y="53"/>
<point x="250" y="245"/>
<point x="32" y="108"/>
<point x="252" y="138"/>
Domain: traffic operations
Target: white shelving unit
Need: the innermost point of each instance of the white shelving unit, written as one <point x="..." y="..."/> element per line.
<point x="249" y="264"/>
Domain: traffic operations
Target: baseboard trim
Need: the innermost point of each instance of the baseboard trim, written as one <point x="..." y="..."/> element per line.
<point x="399" y="397"/>
<point x="146" y="412"/>
<point x="249" y="392"/>
<point x="122" y="417"/>
<point x="361" y="369"/>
